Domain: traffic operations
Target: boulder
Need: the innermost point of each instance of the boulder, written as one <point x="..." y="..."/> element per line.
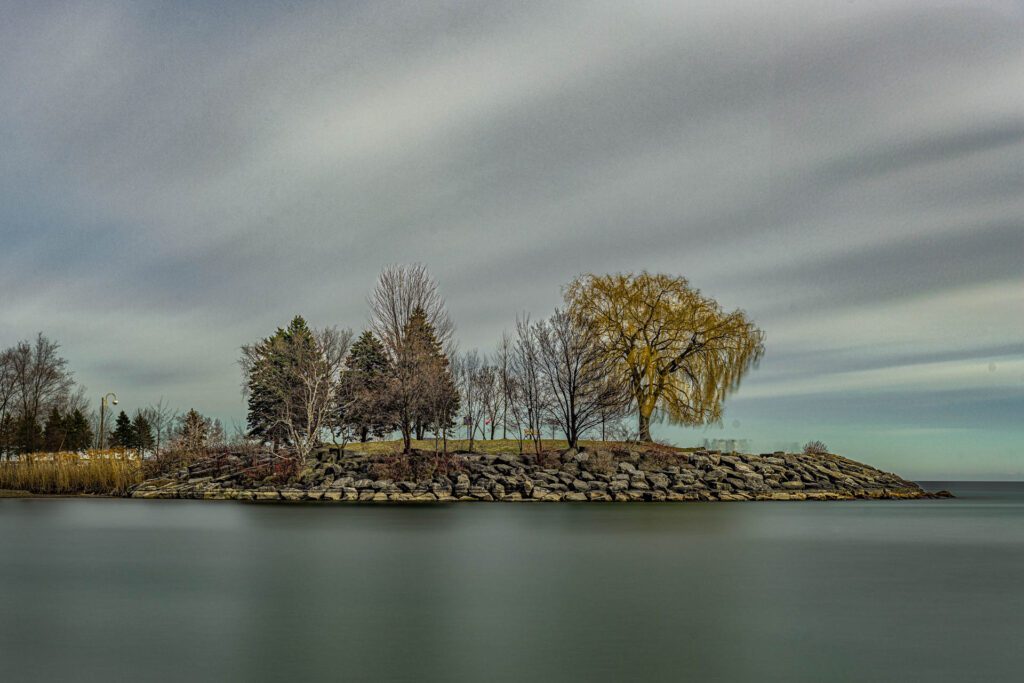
<point x="658" y="480"/>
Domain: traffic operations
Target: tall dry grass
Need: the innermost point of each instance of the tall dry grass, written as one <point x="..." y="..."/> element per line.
<point x="106" y="472"/>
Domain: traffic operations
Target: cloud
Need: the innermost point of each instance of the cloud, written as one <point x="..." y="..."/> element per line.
<point x="184" y="179"/>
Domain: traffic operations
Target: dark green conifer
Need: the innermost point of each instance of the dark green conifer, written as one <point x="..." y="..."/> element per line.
<point x="142" y="433"/>
<point x="54" y="431"/>
<point x="123" y="435"/>
<point x="362" y="398"/>
<point x="264" y="403"/>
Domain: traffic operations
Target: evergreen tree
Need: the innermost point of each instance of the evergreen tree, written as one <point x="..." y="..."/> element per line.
<point x="432" y="374"/>
<point x="123" y="435"/>
<point x="79" y="434"/>
<point x="194" y="431"/>
<point x="54" y="431"/>
<point x="142" y="433"/>
<point x="28" y="435"/>
<point x="362" y="399"/>
<point x="263" y="403"/>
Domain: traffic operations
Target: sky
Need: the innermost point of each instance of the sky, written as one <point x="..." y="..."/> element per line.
<point x="179" y="179"/>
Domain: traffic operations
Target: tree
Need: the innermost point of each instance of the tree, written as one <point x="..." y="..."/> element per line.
<point x="8" y="400"/>
<point x="41" y="376"/>
<point x="54" y="431"/>
<point x="488" y="389"/>
<point x="362" y="396"/>
<point x="466" y="376"/>
<point x="28" y="435"/>
<point x="193" y="431"/>
<point x="504" y="370"/>
<point x="527" y="400"/>
<point x="142" y="433"/>
<point x="421" y="380"/>
<point x="579" y="377"/>
<point x="679" y="352"/>
<point x="295" y="375"/>
<point x="161" y="418"/>
<point x="79" y="435"/>
<point x="401" y="291"/>
<point x="274" y="358"/>
<point x="123" y="435"/>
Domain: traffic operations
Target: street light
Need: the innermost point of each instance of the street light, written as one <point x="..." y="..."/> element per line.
<point x="103" y="411"/>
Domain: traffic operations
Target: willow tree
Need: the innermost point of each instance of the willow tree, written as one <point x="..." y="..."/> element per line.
<point x="680" y="353"/>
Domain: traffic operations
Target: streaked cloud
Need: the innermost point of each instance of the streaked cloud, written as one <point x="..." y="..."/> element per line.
<point x="178" y="180"/>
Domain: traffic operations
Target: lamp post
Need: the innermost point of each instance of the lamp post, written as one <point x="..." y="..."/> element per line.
<point x="103" y="413"/>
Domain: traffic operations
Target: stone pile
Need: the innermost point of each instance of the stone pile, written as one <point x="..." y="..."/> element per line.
<point x="574" y="476"/>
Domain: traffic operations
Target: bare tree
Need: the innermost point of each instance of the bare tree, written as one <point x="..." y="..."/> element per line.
<point x="8" y="398"/>
<point x="303" y="389"/>
<point x="489" y="392"/>
<point x="578" y="377"/>
<point x="471" y="384"/>
<point x="401" y="290"/>
<point x="504" y="365"/>
<point x="41" y="376"/>
<point x="162" y="419"/>
<point x="531" y="403"/>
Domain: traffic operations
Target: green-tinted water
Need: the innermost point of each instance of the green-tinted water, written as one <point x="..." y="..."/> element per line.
<point x="176" y="590"/>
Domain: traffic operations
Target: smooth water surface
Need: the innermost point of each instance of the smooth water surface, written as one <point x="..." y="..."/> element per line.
<point x="96" y="590"/>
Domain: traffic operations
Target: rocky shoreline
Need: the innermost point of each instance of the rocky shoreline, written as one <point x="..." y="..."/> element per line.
<point x="598" y="475"/>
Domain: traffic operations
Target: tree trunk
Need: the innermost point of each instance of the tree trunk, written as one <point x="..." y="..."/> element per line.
<point x="645" y="427"/>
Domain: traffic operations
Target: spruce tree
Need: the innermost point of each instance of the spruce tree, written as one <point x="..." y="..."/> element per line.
<point x="28" y="435"/>
<point x="79" y="433"/>
<point x="438" y="403"/>
<point x="142" y="433"/>
<point x="263" y="403"/>
<point x="362" y="399"/>
<point x="123" y="435"/>
<point x="54" y="431"/>
<point x="194" y="431"/>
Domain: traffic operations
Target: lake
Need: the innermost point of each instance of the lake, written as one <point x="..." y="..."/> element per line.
<point x="108" y="589"/>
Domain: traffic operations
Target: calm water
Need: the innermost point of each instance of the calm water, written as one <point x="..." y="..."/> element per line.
<point x="181" y="590"/>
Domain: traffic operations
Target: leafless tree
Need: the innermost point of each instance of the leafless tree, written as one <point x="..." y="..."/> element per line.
<point x="489" y="392"/>
<point x="578" y="377"/>
<point x="162" y="419"/>
<point x="504" y="369"/>
<point x="401" y="290"/>
<point x="470" y="384"/>
<point x="304" y="388"/>
<point x="528" y="394"/>
<point x="8" y="397"/>
<point x="42" y="378"/>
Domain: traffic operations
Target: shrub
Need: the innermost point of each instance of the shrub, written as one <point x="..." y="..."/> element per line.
<point x="601" y="462"/>
<point x="815" y="448"/>
<point x="658" y="457"/>
<point x="415" y="466"/>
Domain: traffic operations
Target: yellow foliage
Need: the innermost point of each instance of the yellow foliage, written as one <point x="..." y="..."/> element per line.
<point x="679" y="352"/>
<point x="106" y="472"/>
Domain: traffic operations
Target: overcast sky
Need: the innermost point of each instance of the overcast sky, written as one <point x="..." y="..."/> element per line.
<point x="179" y="179"/>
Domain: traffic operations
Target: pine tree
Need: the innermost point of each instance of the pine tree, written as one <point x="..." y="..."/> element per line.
<point x="123" y="435"/>
<point x="425" y="367"/>
<point x="79" y="434"/>
<point x="362" y="397"/>
<point x="263" y="403"/>
<point x="142" y="433"/>
<point x="54" y="431"/>
<point x="194" y="431"/>
<point x="28" y="435"/>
